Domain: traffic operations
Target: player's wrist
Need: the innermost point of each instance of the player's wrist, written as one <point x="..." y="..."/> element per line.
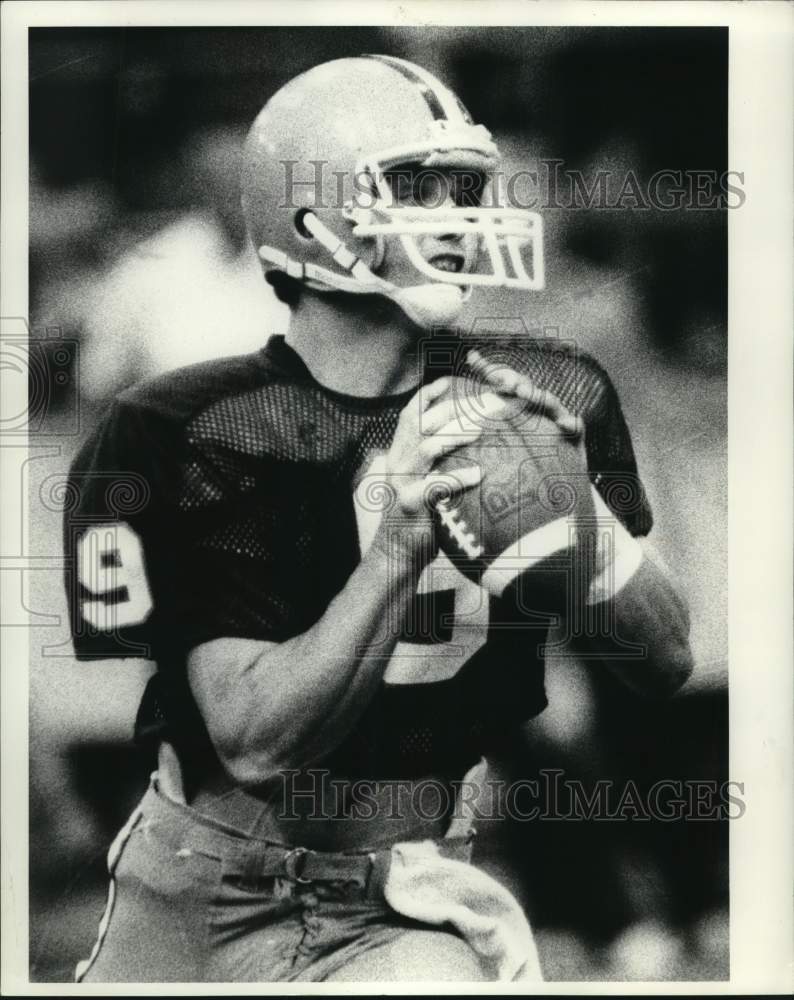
<point x="406" y="550"/>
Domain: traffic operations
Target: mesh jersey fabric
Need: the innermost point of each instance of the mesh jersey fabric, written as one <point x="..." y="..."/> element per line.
<point x="233" y="484"/>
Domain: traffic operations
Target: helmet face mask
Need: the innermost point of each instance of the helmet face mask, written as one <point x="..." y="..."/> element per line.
<point x="510" y="239"/>
<point x="419" y="136"/>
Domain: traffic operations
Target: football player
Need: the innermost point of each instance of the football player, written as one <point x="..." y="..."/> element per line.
<point x="261" y="527"/>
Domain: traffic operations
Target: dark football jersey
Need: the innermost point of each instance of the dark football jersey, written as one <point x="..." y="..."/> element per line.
<point x="230" y="499"/>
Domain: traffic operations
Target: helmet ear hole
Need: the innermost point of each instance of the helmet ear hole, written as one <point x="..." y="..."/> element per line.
<point x="300" y="226"/>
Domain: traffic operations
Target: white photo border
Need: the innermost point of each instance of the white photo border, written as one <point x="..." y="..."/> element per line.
<point x="761" y="472"/>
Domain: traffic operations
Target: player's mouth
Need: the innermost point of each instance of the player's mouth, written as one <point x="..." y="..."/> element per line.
<point x="451" y="262"/>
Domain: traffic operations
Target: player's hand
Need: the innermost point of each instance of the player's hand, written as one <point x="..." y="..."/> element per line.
<point x="429" y="428"/>
<point x="511" y="383"/>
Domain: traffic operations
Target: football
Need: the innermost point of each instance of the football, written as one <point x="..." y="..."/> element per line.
<point x="521" y="530"/>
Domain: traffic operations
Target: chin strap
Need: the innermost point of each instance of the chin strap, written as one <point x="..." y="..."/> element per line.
<point x="431" y="305"/>
<point x="428" y="305"/>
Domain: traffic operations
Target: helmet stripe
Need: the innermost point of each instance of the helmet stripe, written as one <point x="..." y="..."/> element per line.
<point x="443" y="104"/>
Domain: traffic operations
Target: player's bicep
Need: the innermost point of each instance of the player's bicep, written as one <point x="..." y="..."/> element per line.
<point x="217" y="669"/>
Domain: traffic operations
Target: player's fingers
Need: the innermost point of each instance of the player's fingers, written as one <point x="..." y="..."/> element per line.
<point x="458" y="480"/>
<point x="428" y="394"/>
<point x="545" y="402"/>
<point x="540" y="400"/>
<point x="438" y="415"/>
<point x="435" y="486"/>
<point x="435" y="447"/>
<point x="465" y="413"/>
<point x="449" y="486"/>
<point x="500" y="376"/>
<point x="505" y="379"/>
<point x="572" y="425"/>
<point x="412" y="415"/>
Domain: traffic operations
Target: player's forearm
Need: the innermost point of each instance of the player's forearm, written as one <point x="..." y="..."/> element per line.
<point x="642" y="633"/>
<point x="302" y="697"/>
<point x="635" y="620"/>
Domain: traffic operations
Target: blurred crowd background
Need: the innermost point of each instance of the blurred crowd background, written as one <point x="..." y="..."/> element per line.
<point x="138" y="264"/>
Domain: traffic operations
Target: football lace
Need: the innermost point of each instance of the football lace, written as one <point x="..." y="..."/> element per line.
<point x="457" y="529"/>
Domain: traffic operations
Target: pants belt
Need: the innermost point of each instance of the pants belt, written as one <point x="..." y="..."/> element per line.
<point x="251" y="859"/>
<point x="304" y="866"/>
<point x="301" y="865"/>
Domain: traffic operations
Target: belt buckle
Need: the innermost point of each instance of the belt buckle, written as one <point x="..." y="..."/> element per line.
<point x="294" y="863"/>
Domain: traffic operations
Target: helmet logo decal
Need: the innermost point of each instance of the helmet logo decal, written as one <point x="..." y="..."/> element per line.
<point x="433" y="100"/>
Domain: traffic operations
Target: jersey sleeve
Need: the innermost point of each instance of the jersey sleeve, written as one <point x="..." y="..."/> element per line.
<point x="611" y="460"/>
<point x="176" y="537"/>
<point x="108" y="503"/>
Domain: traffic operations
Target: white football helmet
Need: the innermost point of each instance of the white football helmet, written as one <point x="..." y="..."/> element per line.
<point x="318" y="196"/>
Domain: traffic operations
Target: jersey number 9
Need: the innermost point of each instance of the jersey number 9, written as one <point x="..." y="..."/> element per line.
<point x="110" y="567"/>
